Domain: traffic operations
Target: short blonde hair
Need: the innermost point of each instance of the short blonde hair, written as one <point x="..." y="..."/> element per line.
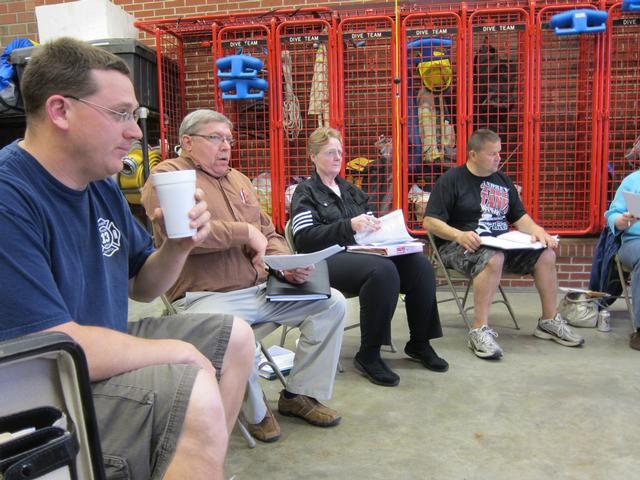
<point x="320" y="137"/>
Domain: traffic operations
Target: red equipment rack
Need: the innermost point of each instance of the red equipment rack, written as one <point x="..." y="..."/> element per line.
<point x="621" y="117"/>
<point x="367" y="74"/>
<point x="566" y="157"/>
<point x="253" y="119"/>
<point x="565" y="107"/>
<point x="499" y="53"/>
<point x="433" y="119"/>
<point x="306" y="93"/>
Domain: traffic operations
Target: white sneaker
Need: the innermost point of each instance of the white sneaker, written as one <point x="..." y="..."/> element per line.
<point x="482" y="342"/>
<point x="559" y="331"/>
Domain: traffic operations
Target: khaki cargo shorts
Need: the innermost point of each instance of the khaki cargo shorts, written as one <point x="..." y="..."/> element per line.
<point x="140" y="413"/>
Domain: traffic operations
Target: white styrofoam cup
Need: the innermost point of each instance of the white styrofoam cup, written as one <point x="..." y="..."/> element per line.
<point x="176" y="193"/>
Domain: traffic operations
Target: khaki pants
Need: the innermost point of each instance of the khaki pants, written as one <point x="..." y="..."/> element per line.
<point x="321" y="325"/>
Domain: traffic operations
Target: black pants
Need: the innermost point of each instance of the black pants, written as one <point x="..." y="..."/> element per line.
<point x="378" y="281"/>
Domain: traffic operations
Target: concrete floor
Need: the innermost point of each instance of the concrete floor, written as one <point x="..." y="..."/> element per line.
<point x="543" y="411"/>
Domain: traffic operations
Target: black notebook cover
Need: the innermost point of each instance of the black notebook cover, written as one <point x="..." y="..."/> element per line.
<point x="315" y="288"/>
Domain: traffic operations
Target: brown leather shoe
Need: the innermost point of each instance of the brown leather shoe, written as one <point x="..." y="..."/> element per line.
<point x="267" y="430"/>
<point x="634" y="341"/>
<point x="308" y="409"/>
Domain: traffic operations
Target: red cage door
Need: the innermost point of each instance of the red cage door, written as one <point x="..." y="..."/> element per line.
<point x="369" y="107"/>
<point x="621" y="138"/>
<point x="306" y="92"/>
<point x="433" y="120"/>
<point x="567" y="128"/>
<point x="499" y="57"/>
<point x="253" y="118"/>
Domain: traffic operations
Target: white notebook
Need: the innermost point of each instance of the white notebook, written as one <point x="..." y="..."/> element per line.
<point x="633" y="203"/>
<point x="513" y="240"/>
<point x="283" y="358"/>
<point x="385" y="250"/>
<point x="393" y="230"/>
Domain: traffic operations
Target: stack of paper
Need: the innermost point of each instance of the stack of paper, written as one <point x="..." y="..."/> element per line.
<point x="633" y="203"/>
<point x="513" y="240"/>
<point x="393" y="230"/>
<point x="392" y="239"/>
<point x="282" y="357"/>
<point x="300" y="260"/>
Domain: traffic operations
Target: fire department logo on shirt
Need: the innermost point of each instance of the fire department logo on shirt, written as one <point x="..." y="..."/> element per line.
<point x="109" y="237"/>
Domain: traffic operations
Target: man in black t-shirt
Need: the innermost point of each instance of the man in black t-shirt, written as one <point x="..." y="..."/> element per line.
<point x="477" y="200"/>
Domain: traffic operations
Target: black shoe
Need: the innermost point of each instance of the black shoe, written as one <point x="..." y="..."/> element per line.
<point x="377" y="372"/>
<point x="426" y="355"/>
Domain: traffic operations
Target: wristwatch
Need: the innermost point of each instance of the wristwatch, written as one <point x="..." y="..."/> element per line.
<point x="279" y="274"/>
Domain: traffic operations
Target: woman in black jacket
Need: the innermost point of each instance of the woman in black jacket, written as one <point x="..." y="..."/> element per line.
<point x="326" y="210"/>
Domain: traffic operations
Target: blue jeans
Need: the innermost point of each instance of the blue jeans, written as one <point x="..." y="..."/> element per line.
<point x="629" y="254"/>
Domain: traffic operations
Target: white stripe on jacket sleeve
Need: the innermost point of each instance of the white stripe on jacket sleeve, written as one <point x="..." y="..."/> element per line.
<point x="301" y="221"/>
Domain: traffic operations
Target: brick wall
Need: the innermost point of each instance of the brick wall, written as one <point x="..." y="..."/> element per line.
<point x="574" y="261"/>
<point x="17" y="17"/>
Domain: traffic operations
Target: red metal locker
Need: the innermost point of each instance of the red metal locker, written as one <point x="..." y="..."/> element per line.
<point x="369" y="99"/>
<point x="252" y="117"/>
<point x="433" y="107"/>
<point x="498" y="72"/>
<point x="306" y="89"/>
<point x="566" y="157"/>
<point x="621" y="138"/>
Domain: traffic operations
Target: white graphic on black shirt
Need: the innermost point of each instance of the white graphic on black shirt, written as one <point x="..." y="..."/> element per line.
<point x="109" y="237"/>
<point x="494" y="202"/>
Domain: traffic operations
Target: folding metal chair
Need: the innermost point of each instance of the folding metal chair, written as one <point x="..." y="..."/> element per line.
<point x="622" y="270"/>
<point x="288" y="235"/>
<point x="450" y="275"/>
<point x="260" y="330"/>
<point x="169" y="309"/>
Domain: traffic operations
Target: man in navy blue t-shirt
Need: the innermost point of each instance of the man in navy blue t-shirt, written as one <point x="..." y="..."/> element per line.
<point x="166" y="390"/>
<point x="476" y="200"/>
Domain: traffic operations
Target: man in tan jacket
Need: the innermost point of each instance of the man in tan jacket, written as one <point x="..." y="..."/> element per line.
<point x="226" y="274"/>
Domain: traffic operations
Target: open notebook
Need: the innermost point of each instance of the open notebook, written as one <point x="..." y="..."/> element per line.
<point x="513" y="240"/>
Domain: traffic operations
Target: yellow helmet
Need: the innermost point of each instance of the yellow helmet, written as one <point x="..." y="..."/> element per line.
<point x="436" y="74"/>
<point x="358" y="164"/>
<point x="431" y="56"/>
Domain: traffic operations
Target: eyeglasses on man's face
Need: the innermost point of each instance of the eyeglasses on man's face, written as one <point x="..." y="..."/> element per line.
<point x="215" y="139"/>
<point x="123" y="117"/>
